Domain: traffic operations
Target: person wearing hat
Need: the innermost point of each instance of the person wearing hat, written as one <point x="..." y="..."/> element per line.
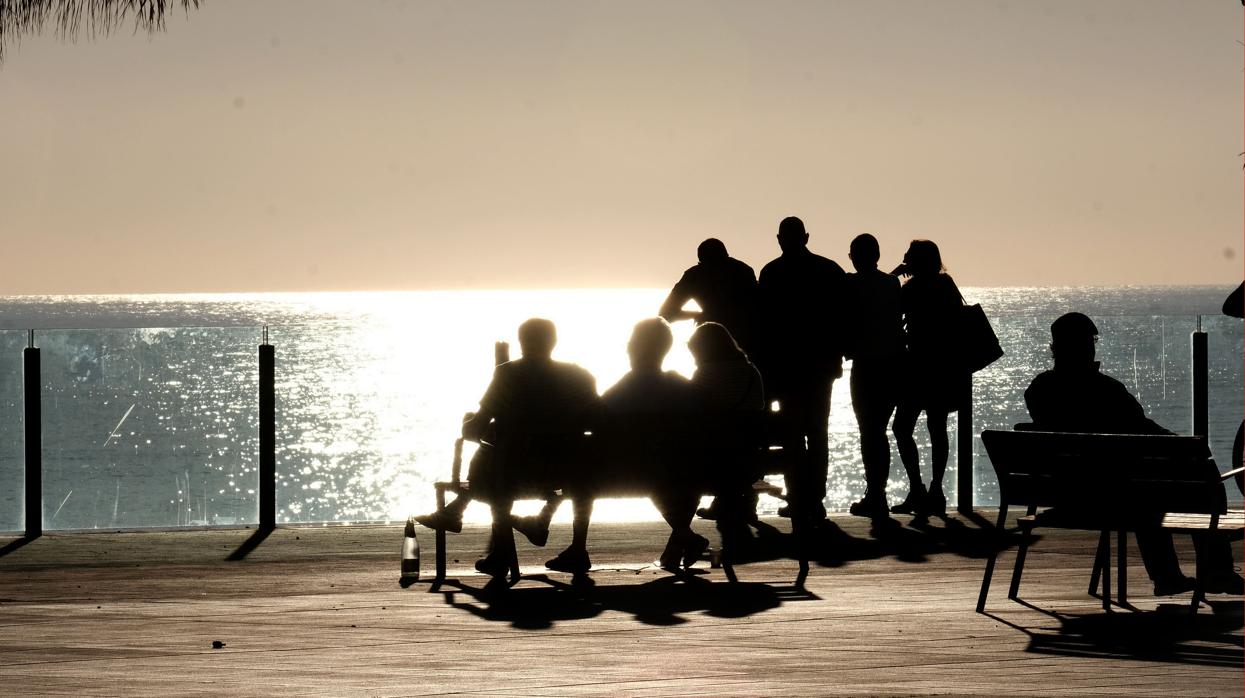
<point x="1075" y="396"/>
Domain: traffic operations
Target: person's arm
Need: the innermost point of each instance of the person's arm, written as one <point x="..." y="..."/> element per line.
<point x="672" y="309"/>
<point x="476" y="426"/>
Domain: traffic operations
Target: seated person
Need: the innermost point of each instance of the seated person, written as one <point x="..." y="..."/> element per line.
<point x="644" y="437"/>
<point x="1076" y="397"/>
<point x="732" y="402"/>
<point x="530" y="426"/>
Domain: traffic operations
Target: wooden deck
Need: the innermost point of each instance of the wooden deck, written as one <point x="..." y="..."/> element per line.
<point x="318" y="611"/>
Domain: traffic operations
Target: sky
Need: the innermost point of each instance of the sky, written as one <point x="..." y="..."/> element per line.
<point x="316" y="145"/>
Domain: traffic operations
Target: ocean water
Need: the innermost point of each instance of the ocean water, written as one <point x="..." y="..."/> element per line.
<point x="150" y="414"/>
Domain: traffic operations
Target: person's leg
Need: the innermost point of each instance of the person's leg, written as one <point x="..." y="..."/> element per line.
<point x="812" y="421"/>
<point x="501" y="551"/>
<point x="1158" y="554"/>
<point x="873" y="404"/>
<point x="579" y="527"/>
<point x="904" y="427"/>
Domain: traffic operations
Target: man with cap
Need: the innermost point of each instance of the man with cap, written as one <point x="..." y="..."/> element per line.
<point x="1075" y="396"/>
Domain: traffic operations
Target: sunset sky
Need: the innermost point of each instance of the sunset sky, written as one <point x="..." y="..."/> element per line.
<point x="321" y="145"/>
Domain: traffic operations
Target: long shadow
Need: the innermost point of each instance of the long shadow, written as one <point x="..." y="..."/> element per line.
<point x="662" y="601"/>
<point x="250" y="544"/>
<point x="1169" y="634"/>
<point x="830" y="546"/>
<point x="16" y="544"/>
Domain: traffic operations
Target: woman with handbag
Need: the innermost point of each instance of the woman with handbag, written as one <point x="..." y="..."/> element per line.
<point x="934" y="380"/>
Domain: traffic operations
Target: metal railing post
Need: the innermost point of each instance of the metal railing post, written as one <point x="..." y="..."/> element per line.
<point x="32" y="389"/>
<point x="964" y="454"/>
<point x="1201" y="380"/>
<point x="267" y="435"/>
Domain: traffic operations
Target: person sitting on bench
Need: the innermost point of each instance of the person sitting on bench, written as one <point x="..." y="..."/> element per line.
<point x="645" y="438"/>
<point x="530" y="426"/>
<point x="1075" y="396"/>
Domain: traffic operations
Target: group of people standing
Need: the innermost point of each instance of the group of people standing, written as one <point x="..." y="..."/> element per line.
<point x="768" y="349"/>
<point x="802" y="316"/>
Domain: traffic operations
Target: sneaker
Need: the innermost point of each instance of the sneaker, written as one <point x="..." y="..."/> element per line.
<point x="694" y="549"/>
<point x="442" y="520"/>
<point x="573" y="561"/>
<point x="492" y="566"/>
<point x="710" y="512"/>
<point x="1227" y="583"/>
<point x="869" y="508"/>
<point x="534" y="528"/>
<point x="1175" y="585"/>
<point x="914" y="503"/>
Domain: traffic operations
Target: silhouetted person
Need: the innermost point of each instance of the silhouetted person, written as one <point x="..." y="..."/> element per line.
<point x="1234" y="306"/>
<point x="800" y="356"/>
<point x="530" y="426"/>
<point x="934" y="380"/>
<point x="724" y="288"/>
<point x="646" y="434"/>
<point x="1075" y="396"/>
<point x="731" y="401"/>
<point x="875" y="344"/>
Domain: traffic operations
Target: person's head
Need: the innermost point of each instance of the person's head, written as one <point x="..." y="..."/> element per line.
<point x="711" y="342"/>
<point x="923" y="258"/>
<point x="791" y="234"/>
<point x="537" y="338"/>
<point x="650" y="341"/>
<point x="711" y="250"/>
<point x="864" y="252"/>
<point x="1073" y="337"/>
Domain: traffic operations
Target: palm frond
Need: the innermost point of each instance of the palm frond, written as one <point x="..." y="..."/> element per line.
<point x="70" y="19"/>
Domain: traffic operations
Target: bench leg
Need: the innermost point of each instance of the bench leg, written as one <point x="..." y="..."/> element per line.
<point x="1104" y="552"/>
<point x="994" y="554"/>
<point x="1096" y="575"/>
<point x="1199" y="590"/>
<point x="1121" y="554"/>
<point x="440" y="539"/>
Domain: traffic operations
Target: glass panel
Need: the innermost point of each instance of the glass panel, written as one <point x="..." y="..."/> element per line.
<point x="12" y="434"/>
<point x="1225" y="344"/>
<point x="149" y="427"/>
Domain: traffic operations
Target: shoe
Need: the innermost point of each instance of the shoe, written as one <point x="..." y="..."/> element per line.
<point x="534" y="528"/>
<point x="693" y="550"/>
<point x="785" y="511"/>
<point x="936" y="503"/>
<point x="869" y="508"/>
<point x="1173" y="586"/>
<point x="442" y="520"/>
<point x="573" y="561"/>
<point x="914" y="503"/>
<point x="492" y="566"/>
<point x="1227" y="583"/>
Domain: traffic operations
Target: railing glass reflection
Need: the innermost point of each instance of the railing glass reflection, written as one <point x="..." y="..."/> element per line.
<point x="149" y="427"/>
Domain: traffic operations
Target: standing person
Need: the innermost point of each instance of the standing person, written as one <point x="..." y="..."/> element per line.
<point x="801" y="306"/>
<point x="933" y="381"/>
<point x="724" y="288"/>
<point x="875" y="344"/>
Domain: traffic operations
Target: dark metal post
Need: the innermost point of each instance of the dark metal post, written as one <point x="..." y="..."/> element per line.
<point x="964" y="454"/>
<point x="32" y="387"/>
<point x="1201" y="380"/>
<point x="267" y="435"/>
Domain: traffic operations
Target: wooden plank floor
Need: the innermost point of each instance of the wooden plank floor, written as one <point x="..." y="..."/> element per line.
<point x="318" y="611"/>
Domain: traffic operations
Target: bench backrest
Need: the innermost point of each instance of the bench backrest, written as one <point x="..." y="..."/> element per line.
<point x="1106" y="472"/>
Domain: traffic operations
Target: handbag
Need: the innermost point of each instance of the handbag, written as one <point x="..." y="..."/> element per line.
<point x="978" y="345"/>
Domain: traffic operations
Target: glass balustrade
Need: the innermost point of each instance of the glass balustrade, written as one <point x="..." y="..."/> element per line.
<point x="158" y="427"/>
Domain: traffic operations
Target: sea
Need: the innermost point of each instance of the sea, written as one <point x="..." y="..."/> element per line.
<point x="150" y="412"/>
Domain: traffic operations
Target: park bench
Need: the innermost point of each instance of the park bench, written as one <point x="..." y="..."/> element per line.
<point x="1108" y="483"/>
<point x="770" y="463"/>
